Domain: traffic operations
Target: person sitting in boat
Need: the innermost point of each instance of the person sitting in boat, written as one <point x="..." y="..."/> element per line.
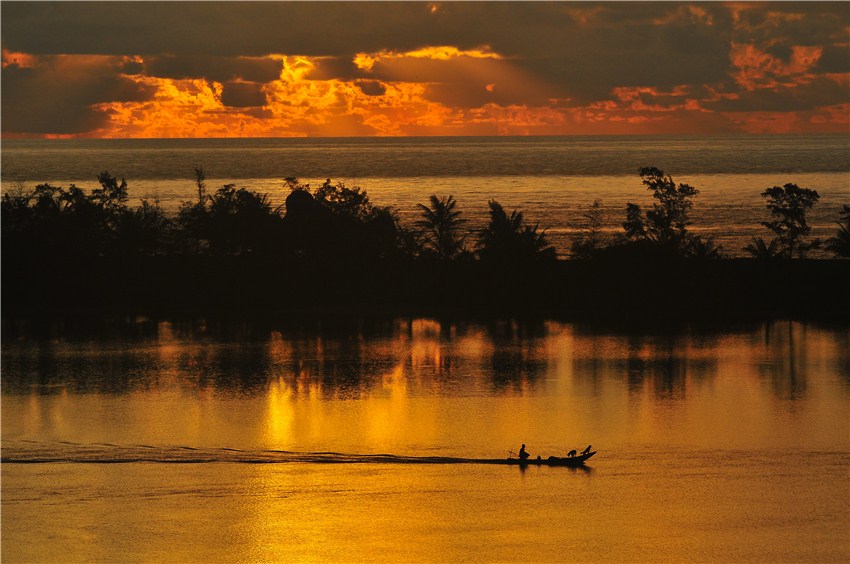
<point x="522" y="454"/>
<point x="585" y="451"/>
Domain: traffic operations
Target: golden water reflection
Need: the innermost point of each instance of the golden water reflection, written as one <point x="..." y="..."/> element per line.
<point x="420" y="384"/>
<point x="699" y="433"/>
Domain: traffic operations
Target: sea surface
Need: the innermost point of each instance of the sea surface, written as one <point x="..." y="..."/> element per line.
<point x="357" y="441"/>
<point x="552" y="179"/>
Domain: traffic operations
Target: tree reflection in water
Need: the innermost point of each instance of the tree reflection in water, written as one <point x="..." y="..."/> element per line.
<point x="349" y="358"/>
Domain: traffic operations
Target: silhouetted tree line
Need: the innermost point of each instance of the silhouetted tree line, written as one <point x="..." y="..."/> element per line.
<point x="330" y="245"/>
<point x="335" y="221"/>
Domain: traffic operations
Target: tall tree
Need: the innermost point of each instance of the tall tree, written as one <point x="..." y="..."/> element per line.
<point x="788" y="206"/>
<point x="634" y="225"/>
<point x="665" y="226"/>
<point x="111" y="197"/>
<point x="440" y="226"/>
<point x="666" y="223"/>
<point x="200" y="183"/>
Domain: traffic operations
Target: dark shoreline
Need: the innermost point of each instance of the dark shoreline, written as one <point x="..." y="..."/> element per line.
<point x="622" y="292"/>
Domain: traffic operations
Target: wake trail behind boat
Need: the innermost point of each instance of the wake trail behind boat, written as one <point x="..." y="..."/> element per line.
<point x="29" y="452"/>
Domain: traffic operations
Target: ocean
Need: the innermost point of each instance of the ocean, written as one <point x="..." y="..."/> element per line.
<point x="551" y="179"/>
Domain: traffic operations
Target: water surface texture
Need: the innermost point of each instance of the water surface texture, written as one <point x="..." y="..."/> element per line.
<point x="553" y="179"/>
<point x="363" y="441"/>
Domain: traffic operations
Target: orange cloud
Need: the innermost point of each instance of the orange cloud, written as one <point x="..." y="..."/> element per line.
<point x="830" y="119"/>
<point x="22" y="60"/>
<point x="757" y="69"/>
<point x="442" y="90"/>
<point x="688" y="13"/>
<point x="564" y="68"/>
<point x="366" y="61"/>
<point x="295" y="106"/>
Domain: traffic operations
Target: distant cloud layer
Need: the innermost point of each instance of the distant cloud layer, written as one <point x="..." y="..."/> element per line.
<point x="172" y="69"/>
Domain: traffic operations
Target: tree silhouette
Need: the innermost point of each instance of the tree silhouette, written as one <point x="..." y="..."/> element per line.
<point x="351" y="202"/>
<point x="112" y="195"/>
<point x="146" y="230"/>
<point x="240" y="221"/>
<point x="758" y="248"/>
<point x="840" y="242"/>
<point x="666" y="223"/>
<point x="588" y="243"/>
<point x="703" y="248"/>
<point x="230" y="221"/>
<point x="788" y="205"/>
<point x="339" y="248"/>
<point x="54" y="222"/>
<point x="338" y="223"/>
<point x="200" y="183"/>
<point x="440" y="228"/>
<point x="665" y="226"/>
<point x="507" y="239"/>
<point x="193" y="220"/>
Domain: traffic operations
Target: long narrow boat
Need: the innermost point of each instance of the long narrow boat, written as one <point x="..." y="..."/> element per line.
<point x="577" y="460"/>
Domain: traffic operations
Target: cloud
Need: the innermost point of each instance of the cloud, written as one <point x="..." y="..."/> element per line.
<point x="243" y="94"/>
<point x="797" y="23"/>
<point x="820" y="92"/>
<point x="57" y="94"/>
<point x="482" y="66"/>
<point x="220" y="69"/>
<point x="371" y="87"/>
<point x="454" y="77"/>
<point x="225" y="29"/>
<point x="834" y="59"/>
<point x="342" y="68"/>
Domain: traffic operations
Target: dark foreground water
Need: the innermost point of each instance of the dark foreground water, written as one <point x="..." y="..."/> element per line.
<point x="224" y="442"/>
<point x="553" y="179"/>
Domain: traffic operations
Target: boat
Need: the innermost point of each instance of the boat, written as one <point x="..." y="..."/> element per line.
<point x="573" y="461"/>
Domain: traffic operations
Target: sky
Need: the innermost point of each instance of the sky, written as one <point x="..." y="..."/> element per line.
<point x="324" y="69"/>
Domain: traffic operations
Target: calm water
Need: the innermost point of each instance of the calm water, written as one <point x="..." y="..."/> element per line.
<point x="552" y="178"/>
<point x="211" y="442"/>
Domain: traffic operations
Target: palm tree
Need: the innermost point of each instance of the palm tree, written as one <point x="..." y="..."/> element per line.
<point x="508" y="239"/>
<point x="440" y="228"/>
<point x="763" y="251"/>
<point x="700" y="248"/>
<point x="840" y="243"/>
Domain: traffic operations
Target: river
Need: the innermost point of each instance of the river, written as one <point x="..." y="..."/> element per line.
<point x="158" y="440"/>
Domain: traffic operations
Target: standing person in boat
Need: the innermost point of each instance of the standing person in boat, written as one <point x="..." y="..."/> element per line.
<point x="522" y="454"/>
